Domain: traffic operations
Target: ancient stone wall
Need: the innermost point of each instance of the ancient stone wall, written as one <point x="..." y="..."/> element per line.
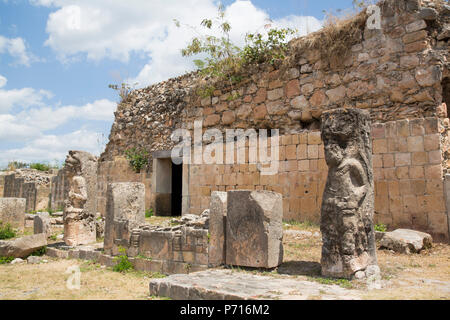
<point x="59" y="191"/>
<point x="396" y="73"/>
<point x="119" y="170"/>
<point x="33" y="185"/>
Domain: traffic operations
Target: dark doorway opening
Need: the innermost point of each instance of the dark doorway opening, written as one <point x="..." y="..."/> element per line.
<point x="446" y="94"/>
<point x="177" y="189"/>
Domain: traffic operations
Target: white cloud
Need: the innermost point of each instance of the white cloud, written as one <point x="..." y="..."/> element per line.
<point x="3" y="81"/>
<point x="21" y="98"/>
<point x="46" y="148"/>
<point x="116" y="29"/>
<point x="17" y="48"/>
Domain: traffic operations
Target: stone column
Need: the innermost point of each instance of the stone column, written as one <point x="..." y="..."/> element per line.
<point x="81" y="206"/>
<point x="125" y="212"/>
<point x="254" y="229"/>
<point x="217" y="220"/>
<point x="348" y="199"/>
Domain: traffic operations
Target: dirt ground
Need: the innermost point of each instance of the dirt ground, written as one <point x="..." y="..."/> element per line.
<point x="419" y="276"/>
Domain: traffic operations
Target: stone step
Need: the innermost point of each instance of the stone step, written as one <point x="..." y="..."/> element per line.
<point x="234" y="285"/>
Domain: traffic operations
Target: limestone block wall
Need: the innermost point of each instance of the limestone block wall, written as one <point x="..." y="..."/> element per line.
<point x="408" y="174"/>
<point x="32" y="185"/>
<point x="119" y="170"/>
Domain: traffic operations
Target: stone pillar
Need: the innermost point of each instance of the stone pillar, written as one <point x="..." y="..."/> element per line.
<point x="217" y="220"/>
<point x="254" y="229"/>
<point x="12" y="211"/>
<point x="125" y="211"/>
<point x="348" y="198"/>
<point x="42" y="224"/>
<point x="81" y="206"/>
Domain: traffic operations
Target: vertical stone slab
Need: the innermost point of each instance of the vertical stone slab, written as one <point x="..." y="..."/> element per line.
<point x="254" y="229"/>
<point x="447" y="200"/>
<point x="217" y="220"/>
<point x="12" y="211"/>
<point x="348" y="198"/>
<point x="42" y="224"/>
<point x="125" y="211"/>
<point x="81" y="205"/>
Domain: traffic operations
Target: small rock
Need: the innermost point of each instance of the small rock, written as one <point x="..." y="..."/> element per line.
<point x="17" y="261"/>
<point x="34" y="260"/>
<point x="406" y="241"/>
<point x="428" y="14"/>
<point x="360" y="275"/>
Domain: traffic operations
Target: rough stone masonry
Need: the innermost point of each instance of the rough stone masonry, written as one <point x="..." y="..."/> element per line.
<point x="348" y="200"/>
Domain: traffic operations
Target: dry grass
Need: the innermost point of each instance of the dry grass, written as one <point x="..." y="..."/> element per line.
<point x="335" y="40"/>
<point x="419" y="276"/>
<point x="48" y="282"/>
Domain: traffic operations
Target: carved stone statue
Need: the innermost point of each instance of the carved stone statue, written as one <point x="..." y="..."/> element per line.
<point x="348" y="198"/>
<point x="80" y="207"/>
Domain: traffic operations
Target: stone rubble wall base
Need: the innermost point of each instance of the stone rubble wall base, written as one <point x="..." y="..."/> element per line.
<point x="139" y="264"/>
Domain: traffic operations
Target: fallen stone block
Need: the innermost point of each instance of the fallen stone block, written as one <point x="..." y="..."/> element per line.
<point x="229" y="285"/>
<point x="406" y="241"/>
<point x="22" y="247"/>
<point x="12" y="211"/>
<point x="254" y="229"/>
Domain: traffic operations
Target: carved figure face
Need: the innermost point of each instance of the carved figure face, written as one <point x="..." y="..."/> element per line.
<point x="334" y="153"/>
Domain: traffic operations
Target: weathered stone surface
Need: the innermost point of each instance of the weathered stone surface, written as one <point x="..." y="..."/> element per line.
<point x="22" y="247"/>
<point x="42" y="224"/>
<point x="254" y="229"/>
<point x="348" y="199"/>
<point x="12" y="211"/>
<point x="125" y="211"/>
<point x="229" y="285"/>
<point x="80" y="207"/>
<point x="217" y="216"/>
<point x="406" y="241"/>
<point x="34" y="260"/>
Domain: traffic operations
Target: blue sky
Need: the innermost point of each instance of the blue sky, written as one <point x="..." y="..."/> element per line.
<point x="57" y="58"/>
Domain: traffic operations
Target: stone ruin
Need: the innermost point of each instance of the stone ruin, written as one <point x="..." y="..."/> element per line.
<point x="348" y="199"/>
<point x="252" y="237"/>
<point x="80" y="207"/>
<point x="30" y="184"/>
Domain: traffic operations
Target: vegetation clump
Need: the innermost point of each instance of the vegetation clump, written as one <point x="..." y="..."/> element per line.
<point x="225" y="60"/>
<point x="123" y="263"/>
<point x="6" y="231"/>
<point x="137" y="158"/>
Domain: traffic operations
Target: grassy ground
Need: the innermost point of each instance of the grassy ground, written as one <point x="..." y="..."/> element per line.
<point x="419" y="276"/>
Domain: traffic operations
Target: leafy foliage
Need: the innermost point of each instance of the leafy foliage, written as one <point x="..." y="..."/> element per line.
<point x="137" y="158"/>
<point x="149" y="213"/>
<point x="123" y="264"/>
<point x="224" y="59"/>
<point x="259" y="49"/>
<point x="380" y="227"/>
<point x="6" y="232"/>
<point x="39" y="252"/>
<point x="40" y="166"/>
<point x="5" y="260"/>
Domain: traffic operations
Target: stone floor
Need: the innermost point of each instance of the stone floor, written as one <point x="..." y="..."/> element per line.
<point x="228" y="284"/>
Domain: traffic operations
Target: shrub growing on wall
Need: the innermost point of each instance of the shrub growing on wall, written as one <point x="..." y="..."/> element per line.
<point x="137" y="158"/>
